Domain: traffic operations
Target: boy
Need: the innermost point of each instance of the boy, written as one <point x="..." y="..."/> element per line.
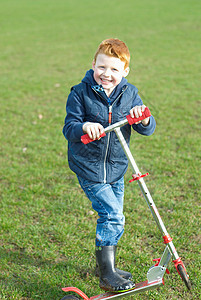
<point x="102" y="98"/>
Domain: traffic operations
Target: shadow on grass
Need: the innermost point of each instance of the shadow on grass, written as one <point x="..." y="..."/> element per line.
<point x="34" y="277"/>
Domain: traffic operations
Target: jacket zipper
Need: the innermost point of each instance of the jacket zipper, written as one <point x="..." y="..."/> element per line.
<point x="108" y="139"/>
<point x="109" y="121"/>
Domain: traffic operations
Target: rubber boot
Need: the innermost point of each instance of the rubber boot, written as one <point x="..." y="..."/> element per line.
<point x="123" y="274"/>
<point x="110" y="280"/>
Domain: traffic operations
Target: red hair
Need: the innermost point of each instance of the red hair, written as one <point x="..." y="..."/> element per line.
<point x="115" y="48"/>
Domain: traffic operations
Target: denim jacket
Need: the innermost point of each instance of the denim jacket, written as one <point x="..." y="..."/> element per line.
<point x="103" y="160"/>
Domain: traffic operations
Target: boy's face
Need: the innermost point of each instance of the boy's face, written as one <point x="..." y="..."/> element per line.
<point x="108" y="71"/>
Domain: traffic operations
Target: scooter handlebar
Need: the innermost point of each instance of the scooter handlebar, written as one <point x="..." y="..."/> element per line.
<point x="145" y="114"/>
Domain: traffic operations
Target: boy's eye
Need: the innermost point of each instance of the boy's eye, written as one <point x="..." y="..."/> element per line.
<point x="115" y="70"/>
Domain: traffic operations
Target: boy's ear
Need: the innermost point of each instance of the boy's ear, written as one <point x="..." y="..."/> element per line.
<point x="93" y="64"/>
<point x="126" y="72"/>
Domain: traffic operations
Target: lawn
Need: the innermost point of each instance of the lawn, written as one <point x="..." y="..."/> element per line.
<point x="47" y="226"/>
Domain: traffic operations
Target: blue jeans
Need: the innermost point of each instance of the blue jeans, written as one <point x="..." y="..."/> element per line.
<point x="107" y="200"/>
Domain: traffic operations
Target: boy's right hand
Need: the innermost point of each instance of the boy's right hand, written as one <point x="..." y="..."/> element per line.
<point x="94" y="130"/>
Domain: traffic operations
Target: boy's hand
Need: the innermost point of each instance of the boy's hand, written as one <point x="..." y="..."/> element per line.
<point x="94" y="130"/>
<point x="136" y="112"/>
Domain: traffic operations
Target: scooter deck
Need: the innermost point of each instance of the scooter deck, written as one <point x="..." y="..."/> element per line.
<point x="139" y="287"/>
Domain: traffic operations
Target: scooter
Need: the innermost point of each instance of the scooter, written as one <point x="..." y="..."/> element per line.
<point x="156" y="273"/>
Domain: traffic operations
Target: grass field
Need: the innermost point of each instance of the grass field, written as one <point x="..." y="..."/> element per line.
<point x="47" y="228"/>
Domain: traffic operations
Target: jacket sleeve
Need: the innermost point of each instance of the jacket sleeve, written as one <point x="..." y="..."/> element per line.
<point x="73" y="123"/>
<point x="140" y="128"/>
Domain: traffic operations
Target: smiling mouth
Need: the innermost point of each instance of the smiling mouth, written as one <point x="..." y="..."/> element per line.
<point x="106" y="80"/>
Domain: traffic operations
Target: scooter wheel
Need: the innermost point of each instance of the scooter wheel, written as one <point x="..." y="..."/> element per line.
<point x="184" y="276"/>
<point x="70" y="297"/>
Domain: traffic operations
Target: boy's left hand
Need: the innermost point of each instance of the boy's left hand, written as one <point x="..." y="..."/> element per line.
<point x="136" y="112"/>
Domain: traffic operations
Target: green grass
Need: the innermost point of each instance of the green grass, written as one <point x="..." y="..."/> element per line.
<point x="46" y="229"/>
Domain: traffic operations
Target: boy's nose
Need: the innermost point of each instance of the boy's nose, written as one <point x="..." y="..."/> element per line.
<point x="107" y="72"/>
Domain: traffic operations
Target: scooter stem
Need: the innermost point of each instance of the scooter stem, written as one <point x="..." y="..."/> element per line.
<point x="147" y="195"/>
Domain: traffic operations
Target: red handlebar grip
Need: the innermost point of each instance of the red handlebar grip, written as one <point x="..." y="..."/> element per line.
<point x="86" y="139"/>
<point x="145" y="114"/>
